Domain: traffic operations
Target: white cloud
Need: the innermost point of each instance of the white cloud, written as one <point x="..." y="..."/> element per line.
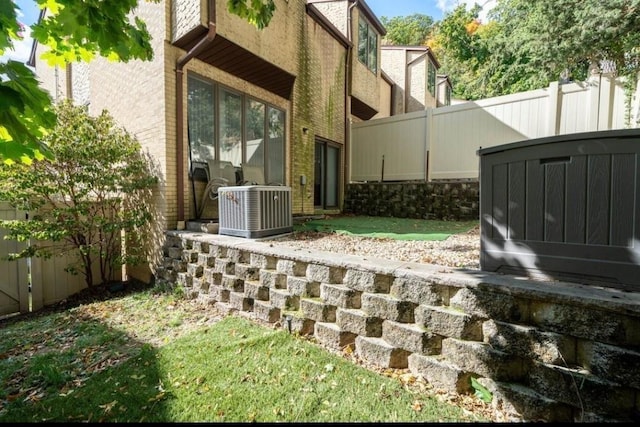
<point x="448" y="5"/>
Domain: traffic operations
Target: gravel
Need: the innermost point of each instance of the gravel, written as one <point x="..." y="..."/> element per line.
<point x="459" y="250"/>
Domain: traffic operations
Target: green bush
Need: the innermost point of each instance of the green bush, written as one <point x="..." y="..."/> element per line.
<point x="97" y="186"/>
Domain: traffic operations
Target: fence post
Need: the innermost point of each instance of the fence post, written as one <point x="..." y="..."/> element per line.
<point x="605" y="108"/>
<point x="554" y="110"/>
<point x="594" y="100"/>
<point x="429" y="143"/>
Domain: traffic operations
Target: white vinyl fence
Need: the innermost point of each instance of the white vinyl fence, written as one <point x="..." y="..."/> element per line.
<point x="442" y="143"/>
<point x="49" y="282"/>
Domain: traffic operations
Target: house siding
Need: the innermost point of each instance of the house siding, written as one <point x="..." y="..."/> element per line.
<point x="393" y="63"/>
<point x="141" y="95"/>
<point x="319" y="106"/>
<point x="187" y="15"/>
<point x="409" y="69"/>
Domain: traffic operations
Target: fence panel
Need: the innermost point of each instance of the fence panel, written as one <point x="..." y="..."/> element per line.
<point x="49" y="281"/>
<point x="400" y="140"/>
<point x="452" y="135"/>
<point x="14" y="278"/>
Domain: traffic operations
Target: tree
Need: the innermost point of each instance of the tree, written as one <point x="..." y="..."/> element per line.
<point x="528" y="44"/>
<point x="460" y="42"/>
<point x="73" y="31"/>
<point x="412" y="30"/>
<point x="544" y="38"/>
<point x="97" y="186"/>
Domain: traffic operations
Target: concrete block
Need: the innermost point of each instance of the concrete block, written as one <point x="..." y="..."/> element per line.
<point x="387" y="307"/>
<point x="340" y="296"/>
<point x="253" y="289"/>
<point x="440" y="373"/>
<point x="265" y="311"/>
<point x="380" y="353"/>
<point x="330" y="335"/>
<point x="282" y="299"/>
<point x="358" y="322"/>
<point x="247" y="272"/>
<point x="324" y="273"/>
<point x="303" y="287"/>
<point x="195" y="270"/>
<point x="206" y="260"/>
<point x="238" y="301"/>
<point x="367" y="281"/>
<point x="449" y="322"/>
<point x="273" y="279"/>
<point x="232" y="283"/>
<point x="411" y="337"/>
<point x="291" y="267"/>
<point x="317" y="310"/>
<point x="482" y="360"/>
<point x="225" y="266"/>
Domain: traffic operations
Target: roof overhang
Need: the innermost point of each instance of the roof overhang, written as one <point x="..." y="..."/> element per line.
<point x="240" y="62"/>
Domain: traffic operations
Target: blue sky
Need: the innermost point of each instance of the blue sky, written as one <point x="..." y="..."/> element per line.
<point x="391" y="8"/>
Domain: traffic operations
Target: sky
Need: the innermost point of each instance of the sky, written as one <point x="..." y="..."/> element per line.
<point x="434" y="8"/>
<point x="28" y="14"/>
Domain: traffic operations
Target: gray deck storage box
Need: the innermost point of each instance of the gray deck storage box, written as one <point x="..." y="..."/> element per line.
<point x="565" y="207"/>
<point x="255" y="210"/>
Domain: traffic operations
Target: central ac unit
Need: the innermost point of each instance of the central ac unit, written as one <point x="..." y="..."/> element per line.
<point x="255" y="210"/>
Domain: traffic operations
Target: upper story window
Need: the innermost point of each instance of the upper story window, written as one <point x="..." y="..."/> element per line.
<point x="447" y="95"/>
<point x="431" y="79"/>
<point x="367" y="45"/>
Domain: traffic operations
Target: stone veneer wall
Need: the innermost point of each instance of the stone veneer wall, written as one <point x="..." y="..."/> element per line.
<point x="547" y="351"/>
<point x="443" y="200"/>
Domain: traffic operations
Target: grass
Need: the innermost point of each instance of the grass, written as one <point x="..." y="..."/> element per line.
<point x="151" y="356"/>
<point x="387" y="227"/>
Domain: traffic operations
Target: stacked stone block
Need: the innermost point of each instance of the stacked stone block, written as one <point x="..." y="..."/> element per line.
<point x="546" y="351"/>
<point x="445" y="200"/>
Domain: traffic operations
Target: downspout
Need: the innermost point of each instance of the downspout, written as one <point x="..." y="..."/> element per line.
<point x="347" y="103"/>
<point x="180" y="63"/>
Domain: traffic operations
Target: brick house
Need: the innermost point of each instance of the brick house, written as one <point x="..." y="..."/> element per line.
<point x="281" y="99"/>
<point x="217" y="91"/>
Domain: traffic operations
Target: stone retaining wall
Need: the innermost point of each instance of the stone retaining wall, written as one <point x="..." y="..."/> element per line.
<point x="442" y="200"/>
<point x="547" y="351"/>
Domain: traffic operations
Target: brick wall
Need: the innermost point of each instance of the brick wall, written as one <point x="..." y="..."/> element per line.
<point x="546" y="351"/>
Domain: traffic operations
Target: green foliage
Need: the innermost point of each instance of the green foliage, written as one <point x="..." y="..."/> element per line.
<point x="74" y="31"/>
<point x="25" y="110"/>
<point x="97" y="185"/>
<point x="77" y="30"/>
<point x="413" y="30"/>
<point x="481" y="392"/>
<point x="528" y="44"/>
<point x="460" y="44"/>
<point x="257" y="12"/>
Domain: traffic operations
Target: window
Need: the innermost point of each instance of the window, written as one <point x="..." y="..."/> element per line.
<point x="367" y="45"/>
<point x="201" y="124"/>
<point x="447" y="95"/>
<point x="231" y="126"/>
<point x="431" y="79"/>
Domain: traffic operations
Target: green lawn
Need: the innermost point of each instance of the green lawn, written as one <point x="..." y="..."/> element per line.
<point x="394" y="228"/>
<point x="150" y="356"/>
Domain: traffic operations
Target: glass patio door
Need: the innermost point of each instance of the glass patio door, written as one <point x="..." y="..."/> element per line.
<point x="326" y="175"/>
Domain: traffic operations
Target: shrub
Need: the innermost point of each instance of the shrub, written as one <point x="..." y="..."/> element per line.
<point x="95" y="188"/>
